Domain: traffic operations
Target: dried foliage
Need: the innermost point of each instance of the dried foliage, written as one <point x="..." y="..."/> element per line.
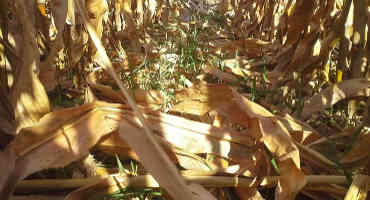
<point x="242" y="94"/>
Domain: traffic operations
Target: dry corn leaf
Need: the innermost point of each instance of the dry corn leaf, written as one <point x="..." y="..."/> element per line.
<point x="151" y="99"/>
<point x="214" y="97"/>
<point x="165" y="174"/>
<point x="189" y="136"/>
<point x="264" y="126"/>
<point x="251" y="48"/>
<point x="193" y="162"/>
<point x="256" y="167"/>
<point x="197" y="137"/>
<point x="248" y="194"/>
<point x="300" y="131"/>
<point x="359" y="188"/>
<point x="70" y="142"/>
<point x="200" y="99"/>
<point x="113" y="144"/>
<point x="359" y="151"/>
<point x="223" y="133"/>
<point x="47" y="128"/>
<point x="199" y="143"/>
<point x="269" y="130"/>
<point x="291" y="181"/>
<point x="220" y="74"/>
<point x="106" y="91"/>
<point x="197" y="100"/>
<point x="331" y="95"/>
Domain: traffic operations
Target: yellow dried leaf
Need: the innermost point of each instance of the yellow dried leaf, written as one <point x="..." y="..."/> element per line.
<point x="359" y="188"/>
<point x="291" y="181"/>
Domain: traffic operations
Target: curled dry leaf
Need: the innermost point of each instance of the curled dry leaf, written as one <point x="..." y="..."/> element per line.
<point x="269" y="130"/>
<point x="300" y="131"/>
<point x="291" y="181"/>
<point x="47" y="128"/>
<point x="359" y="188"/>
<point x="331" y="95"/>
<point x="69" y="142"/>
